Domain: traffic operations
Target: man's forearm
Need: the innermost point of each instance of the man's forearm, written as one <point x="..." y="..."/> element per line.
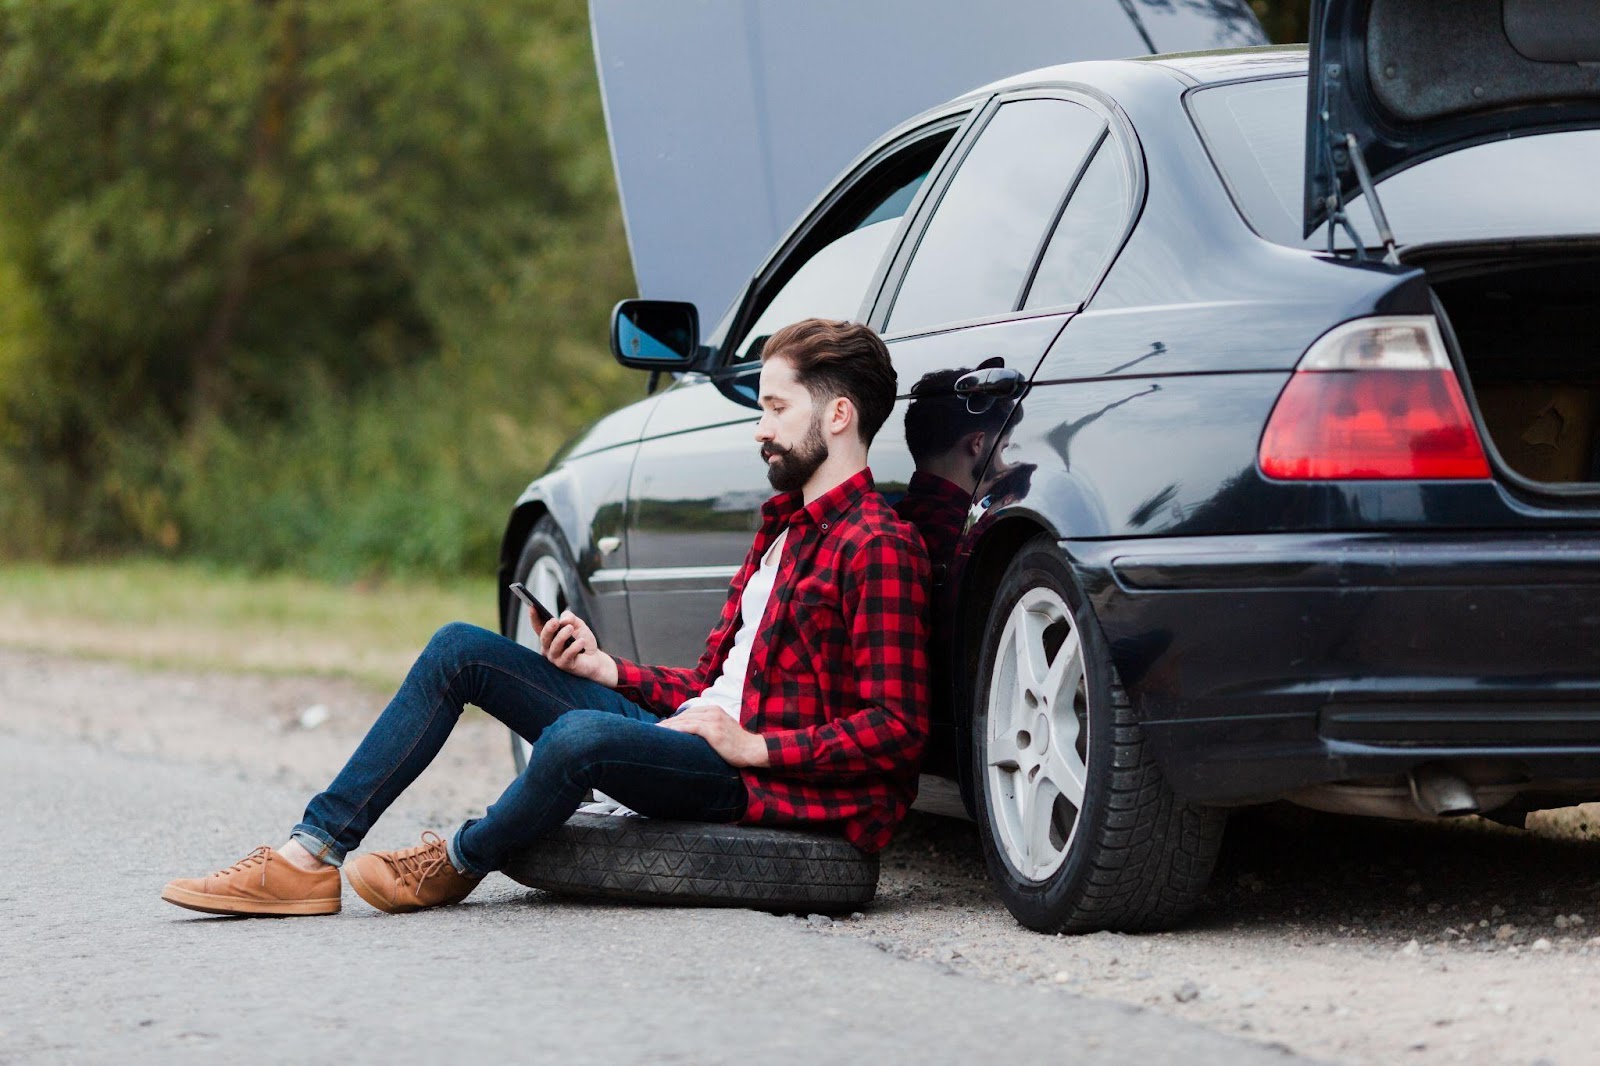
<point x="661" y="688"/>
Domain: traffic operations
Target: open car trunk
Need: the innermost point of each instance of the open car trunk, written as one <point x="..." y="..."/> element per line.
<point x="1526" y="324"/>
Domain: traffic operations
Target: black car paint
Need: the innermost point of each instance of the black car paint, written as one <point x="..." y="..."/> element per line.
<point x="1368" y="654"/>
<point x="1265" y="609"/>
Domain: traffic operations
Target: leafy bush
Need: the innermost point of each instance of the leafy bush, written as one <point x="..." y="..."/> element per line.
<point x="296" y="284"/>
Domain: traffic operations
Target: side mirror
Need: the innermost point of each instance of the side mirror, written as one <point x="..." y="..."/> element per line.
<point x="655" y="334"/>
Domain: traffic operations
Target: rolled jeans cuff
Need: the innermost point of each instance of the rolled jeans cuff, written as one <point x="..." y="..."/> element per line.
<point x="452" y="848"/>
<point x="318" y="843"/>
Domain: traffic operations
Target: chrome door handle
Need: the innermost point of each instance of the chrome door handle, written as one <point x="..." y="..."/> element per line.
<point x="991" y="381"/>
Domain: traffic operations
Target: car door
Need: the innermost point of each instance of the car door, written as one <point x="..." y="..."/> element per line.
<point x="698" y="483"/>
<point x="1005" y="252"/>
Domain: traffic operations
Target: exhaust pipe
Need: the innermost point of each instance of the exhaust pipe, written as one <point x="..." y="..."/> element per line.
<point x="1439" y="793"/>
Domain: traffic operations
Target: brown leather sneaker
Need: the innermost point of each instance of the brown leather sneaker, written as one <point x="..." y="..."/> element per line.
<point x="262" y="883"/>
<point x="410" y="879"/>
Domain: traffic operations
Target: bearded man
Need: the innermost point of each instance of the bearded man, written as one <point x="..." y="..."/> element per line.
<point x="808" y="707"/>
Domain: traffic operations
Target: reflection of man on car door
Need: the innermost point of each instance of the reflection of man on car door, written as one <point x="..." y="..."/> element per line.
<point x="956" y="443"/>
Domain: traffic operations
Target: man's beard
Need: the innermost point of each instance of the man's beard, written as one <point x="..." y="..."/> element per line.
<point x="795" y="465"/>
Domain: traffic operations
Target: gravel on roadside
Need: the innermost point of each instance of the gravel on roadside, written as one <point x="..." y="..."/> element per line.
<point x="1351" y="939"/>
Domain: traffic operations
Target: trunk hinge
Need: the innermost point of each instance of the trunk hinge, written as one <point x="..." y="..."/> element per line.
<point x="1343" y="152"/>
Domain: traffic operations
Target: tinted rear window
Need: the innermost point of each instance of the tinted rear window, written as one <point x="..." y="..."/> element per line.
<point x="977" y="251"/>
<point x="1529" y="186"/>
<point x="1090" y="228"/>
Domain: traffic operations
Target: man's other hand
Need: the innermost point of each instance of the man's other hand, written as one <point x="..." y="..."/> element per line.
<point x="737" y="745"/>
<point x="569" y="643"/>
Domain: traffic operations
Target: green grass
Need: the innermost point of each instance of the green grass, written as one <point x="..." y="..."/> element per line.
<point x="191" y="616"/>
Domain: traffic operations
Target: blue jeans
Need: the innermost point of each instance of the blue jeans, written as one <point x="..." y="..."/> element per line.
<point x="584" y="736"/>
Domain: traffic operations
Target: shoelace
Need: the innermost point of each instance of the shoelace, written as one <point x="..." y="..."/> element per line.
<point x="260" y="855"/>
<point x="424" y="860"/>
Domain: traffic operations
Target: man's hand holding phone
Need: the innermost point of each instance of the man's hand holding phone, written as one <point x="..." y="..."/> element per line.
<point x="569" y="643"/>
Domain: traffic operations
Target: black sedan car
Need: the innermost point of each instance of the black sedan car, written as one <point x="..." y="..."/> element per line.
<point x="1250" y="404"/>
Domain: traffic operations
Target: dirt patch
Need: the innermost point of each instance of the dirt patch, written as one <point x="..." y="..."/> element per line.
<point x="1348" y="939"/>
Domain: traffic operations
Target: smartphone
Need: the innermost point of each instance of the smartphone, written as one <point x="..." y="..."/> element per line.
<point x="541" y="613"/>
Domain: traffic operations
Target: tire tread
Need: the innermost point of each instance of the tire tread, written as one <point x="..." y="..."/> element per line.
<point x="662" y="861"/>
<point x="1153" y="857"/>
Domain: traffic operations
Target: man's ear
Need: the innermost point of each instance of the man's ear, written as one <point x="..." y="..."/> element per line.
<point x="841" y="414"/>
<point x="973" y="443"/>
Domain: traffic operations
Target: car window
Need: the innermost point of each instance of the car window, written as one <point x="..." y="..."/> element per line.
<point x="1257" y="136"/>
<point x="1090" y="227"/>
<point x="832" y="282"/>
<point x="980" y="245"/>
<point x="1532" y="186"/>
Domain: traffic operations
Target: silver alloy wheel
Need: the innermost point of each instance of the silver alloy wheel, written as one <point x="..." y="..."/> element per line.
<point x="1036" y="748"/>
<point x="544" y="581"/>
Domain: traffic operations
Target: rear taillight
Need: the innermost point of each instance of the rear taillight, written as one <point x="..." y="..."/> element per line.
<point x="1373" y="398"/>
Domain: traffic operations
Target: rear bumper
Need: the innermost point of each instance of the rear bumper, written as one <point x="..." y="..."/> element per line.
<point x="1260" y="666"/>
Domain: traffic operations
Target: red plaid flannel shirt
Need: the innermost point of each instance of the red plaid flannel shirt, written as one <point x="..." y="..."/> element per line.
<point x="938" y="508"/>
<point x="837" y="682"/>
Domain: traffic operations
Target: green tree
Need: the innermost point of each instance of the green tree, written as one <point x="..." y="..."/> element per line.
<point x="241" y="242"/>
<point x="1286" y="21"/>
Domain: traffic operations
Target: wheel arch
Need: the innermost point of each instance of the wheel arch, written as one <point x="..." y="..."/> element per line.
<point x="551" y="495"/>
<point x="985" y="565"/>
<point x="523" y="518"/>
<point x="992" y="548"/>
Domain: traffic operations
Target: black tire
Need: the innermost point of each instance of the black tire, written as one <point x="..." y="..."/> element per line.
<point x="544" y="542"/>
<point x="1136" y="857"/>
<point x="659" y="861"/>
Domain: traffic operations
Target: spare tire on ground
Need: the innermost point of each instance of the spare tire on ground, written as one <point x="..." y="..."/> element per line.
<point x="698" y="864"/>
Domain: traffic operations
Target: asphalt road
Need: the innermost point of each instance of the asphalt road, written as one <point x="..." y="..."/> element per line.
<point x="98" y="969"/>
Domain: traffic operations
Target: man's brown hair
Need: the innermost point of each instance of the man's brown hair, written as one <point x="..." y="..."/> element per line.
<point x="846" y="359"/>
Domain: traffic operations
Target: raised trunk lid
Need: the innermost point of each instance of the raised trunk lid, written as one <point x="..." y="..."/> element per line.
<point x="1415" y="79"/>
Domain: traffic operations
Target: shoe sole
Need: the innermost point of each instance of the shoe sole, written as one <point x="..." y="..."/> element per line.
<point x="255" y="908"/>
<point x="370" y="894"/>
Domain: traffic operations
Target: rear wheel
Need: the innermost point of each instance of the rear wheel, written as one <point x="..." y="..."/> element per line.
<point x="1080" y="830"/>
<point x="546" y="568"/>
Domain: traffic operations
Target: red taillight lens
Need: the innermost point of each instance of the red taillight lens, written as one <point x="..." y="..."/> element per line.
<point x="1375" y="398"/>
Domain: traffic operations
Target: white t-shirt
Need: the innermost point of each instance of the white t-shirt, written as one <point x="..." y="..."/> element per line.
<point x="727" y="691"/>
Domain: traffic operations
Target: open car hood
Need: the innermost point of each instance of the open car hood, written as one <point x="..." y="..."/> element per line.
<point x="1415" y="79"/>
<point x="728" y="117"/>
